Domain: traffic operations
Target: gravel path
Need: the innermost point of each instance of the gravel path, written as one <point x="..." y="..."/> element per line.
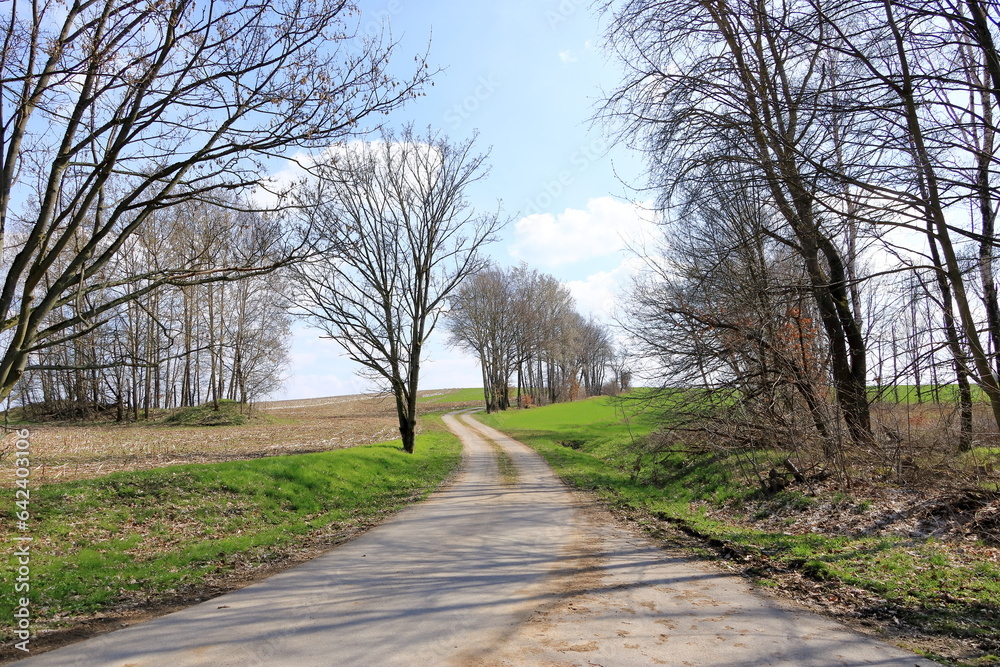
<point x="490" y="573"/>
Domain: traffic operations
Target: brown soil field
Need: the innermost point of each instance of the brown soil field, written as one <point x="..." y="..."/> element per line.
<point x="61" y="452"/>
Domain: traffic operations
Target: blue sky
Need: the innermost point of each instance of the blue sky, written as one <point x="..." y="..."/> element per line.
<point x="529" y="77"/>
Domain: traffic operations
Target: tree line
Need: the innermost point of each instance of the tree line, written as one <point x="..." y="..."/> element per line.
<point x="174" y="346"/>
<point x="828" y="177"/>
<point x="146" y="258"/>
<point x="523" y="327"/>
<point x="134" y="139"/>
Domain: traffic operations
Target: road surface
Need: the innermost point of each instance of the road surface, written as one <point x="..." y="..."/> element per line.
<point x="490" y="573"/>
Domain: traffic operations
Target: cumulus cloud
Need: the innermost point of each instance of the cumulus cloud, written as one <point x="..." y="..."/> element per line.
<point x="270" y="190"/>
<point x="606" y="227"/>
<point x="301" y="166"/>
<point x="598" y="294"/>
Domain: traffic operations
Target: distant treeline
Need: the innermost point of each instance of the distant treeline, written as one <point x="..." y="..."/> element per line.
<point x="524" y="328"/>
<point x="174" y="345"/>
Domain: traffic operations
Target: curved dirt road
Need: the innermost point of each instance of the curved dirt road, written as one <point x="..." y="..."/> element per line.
<point x="488" y="573"/>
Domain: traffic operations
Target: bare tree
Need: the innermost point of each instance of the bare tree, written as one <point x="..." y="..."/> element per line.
<point x="729" y="91"/>
<point x="595" y="353"/>
<point x="911" y="63"/>
<point x="115" y="110"/>
<point x="727" y="309"/>
<point x="480" y="317"/>
<point x="519" y="320"/>
<point x="393" y="236"/>
<point x="230" y="337"/>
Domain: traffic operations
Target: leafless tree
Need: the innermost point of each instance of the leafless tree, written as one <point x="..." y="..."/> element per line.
<point x="393" y="236"/>
<point x="173" y="346"/>
<point x="480" y="315"/>
<point x="922" y="74"/>
<point x="595" y="351"/>
<point x="729" y="90"/>
<point x="113" y="111"/>
<point x="726" y="309"/>
<point x="518" y="320"/>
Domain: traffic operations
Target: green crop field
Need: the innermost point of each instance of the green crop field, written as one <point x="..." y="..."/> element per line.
<point x="453" y="396"/>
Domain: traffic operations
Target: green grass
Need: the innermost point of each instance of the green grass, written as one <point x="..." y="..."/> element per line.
<point x="457" y="396"/>
<point x="591" y="446"/>
<point x="907" y="393"/>
<point x="505" y="465"/>
<point x="230" y="413"/>
<point x="152" y="534"/>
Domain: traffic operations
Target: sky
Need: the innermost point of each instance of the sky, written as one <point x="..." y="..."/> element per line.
<point x="529" y="78"/>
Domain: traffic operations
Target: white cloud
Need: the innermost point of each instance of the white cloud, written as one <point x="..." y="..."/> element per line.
<point x="567" y="56"/>
<point x="605" y="228"/>
<point x="320" y="368"/>
<point x="449" y="370"/>
<point x="599" y="294"/>
<point x="296" y="168"/>
<point x="267" y="194"/>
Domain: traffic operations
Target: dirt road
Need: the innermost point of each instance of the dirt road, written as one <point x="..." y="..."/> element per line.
<point x="490" y="572"/>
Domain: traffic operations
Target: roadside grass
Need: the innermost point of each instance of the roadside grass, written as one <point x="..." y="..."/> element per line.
<point x="137" y="538"/>
<point x="986" y="457"/>
<point x="505" y="465"/>
<point x="940" y="589"/>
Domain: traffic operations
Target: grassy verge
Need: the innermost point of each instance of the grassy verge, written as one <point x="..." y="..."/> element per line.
<point x="137" y="538"/>
<point x="505" y="465"/>
<point x="937" y="589"/>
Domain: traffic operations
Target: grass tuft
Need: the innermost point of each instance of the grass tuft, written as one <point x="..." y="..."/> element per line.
<point x="229" y="413"/>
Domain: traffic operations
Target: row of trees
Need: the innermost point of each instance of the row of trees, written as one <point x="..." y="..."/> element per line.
<point x="122" y="121"/>
<point x="392" y="235"/>
<point x="134" y="268"/>
<point x="172" y="346"/>
<point x="133" y="263"/>
<point x="817" y="159"/>
<point x="524" y="328"/>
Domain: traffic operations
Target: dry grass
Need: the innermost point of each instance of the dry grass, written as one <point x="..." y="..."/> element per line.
<point x="62" y="452"/>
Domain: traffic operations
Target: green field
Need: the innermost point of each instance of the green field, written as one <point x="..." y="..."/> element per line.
<point x="137" y="538"/>
<point x="938" y="588"/>
<point x="908" y="393"/>
<point x="454" y="396"/>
